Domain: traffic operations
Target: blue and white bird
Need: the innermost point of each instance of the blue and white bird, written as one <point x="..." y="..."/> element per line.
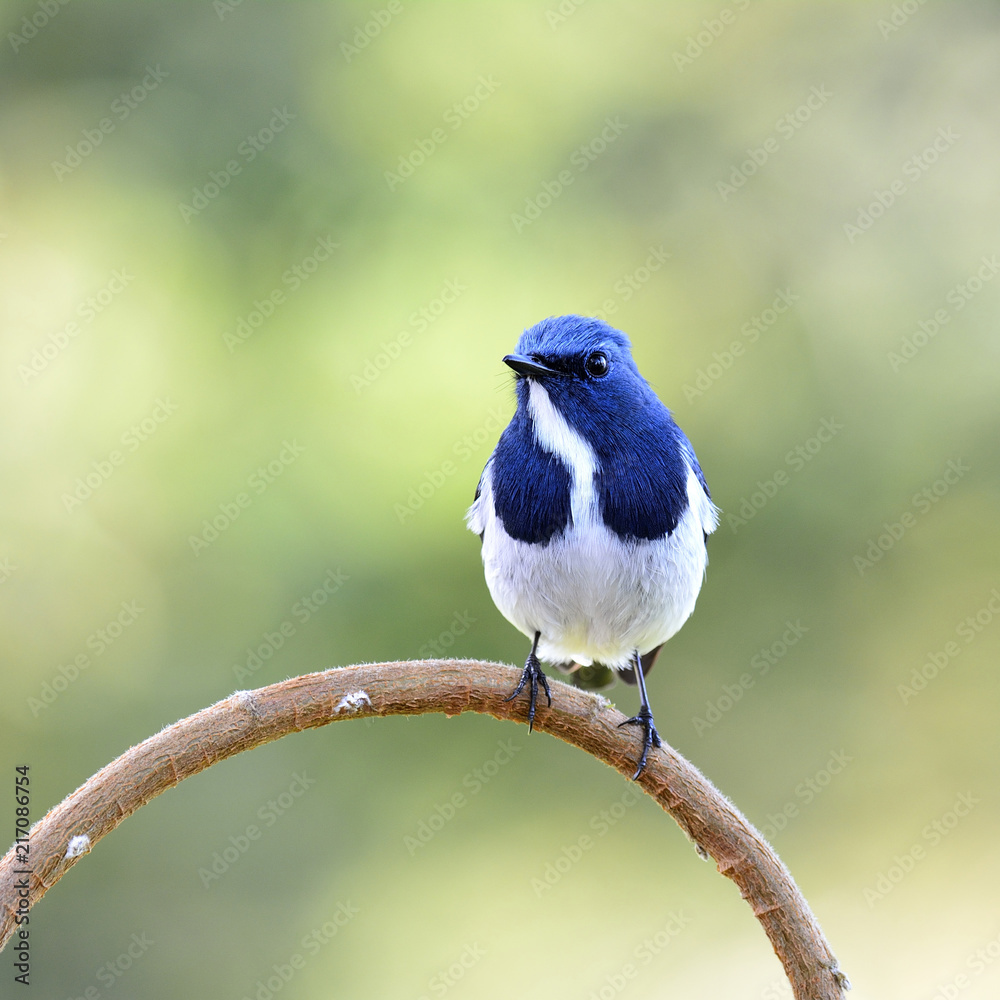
<point x="592" y="510"/>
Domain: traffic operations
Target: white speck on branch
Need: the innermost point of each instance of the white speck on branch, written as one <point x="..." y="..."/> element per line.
<point x="352" y="702"/>
<point x="78" y="845"/>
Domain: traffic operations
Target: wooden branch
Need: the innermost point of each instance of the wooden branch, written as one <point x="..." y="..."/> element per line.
<point x="249" y="719"/>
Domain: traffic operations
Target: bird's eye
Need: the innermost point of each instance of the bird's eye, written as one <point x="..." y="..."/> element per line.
<point x="597" y="365"/>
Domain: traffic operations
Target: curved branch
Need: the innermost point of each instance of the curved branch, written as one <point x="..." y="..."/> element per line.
<point x="248" y="719"/>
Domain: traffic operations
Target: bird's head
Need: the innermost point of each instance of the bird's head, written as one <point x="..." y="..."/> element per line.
<point x="584" y="365"/>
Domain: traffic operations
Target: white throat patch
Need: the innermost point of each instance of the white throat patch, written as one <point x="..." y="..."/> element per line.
<point x="556" y="436"/>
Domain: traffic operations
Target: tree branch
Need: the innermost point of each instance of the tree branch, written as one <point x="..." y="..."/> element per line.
<point x="249" y="719"/>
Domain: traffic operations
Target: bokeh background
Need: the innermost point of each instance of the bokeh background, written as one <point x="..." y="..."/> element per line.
<point x="279" y="251"/>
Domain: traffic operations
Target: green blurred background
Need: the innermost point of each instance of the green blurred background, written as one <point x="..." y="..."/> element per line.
<point x="169" y="173"/>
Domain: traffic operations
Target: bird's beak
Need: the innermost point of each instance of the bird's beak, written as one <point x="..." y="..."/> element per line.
<point x="524" y="365"/>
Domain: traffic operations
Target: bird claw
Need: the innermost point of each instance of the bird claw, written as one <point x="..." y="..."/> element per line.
<point x="650" y="737"/>
<point x="532" y="672"/>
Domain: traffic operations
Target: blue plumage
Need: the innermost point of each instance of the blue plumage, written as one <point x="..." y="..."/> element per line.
<point x="593" y="510"/>
<point x="531" y="486"/>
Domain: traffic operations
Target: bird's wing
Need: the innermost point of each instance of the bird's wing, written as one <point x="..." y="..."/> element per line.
<point x="700" y="501"/>
<point x="475" y="516"/>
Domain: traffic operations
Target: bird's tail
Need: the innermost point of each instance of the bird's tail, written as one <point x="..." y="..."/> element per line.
<point x="595" y="677"/>
<point x="647" y="660"/>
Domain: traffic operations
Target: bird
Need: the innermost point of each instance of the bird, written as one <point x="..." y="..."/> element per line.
<point x="592" y="511"/>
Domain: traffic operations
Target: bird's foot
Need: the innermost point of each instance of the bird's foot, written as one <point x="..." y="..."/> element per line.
<point x="650" y="737"/>
<point x="532" y="672"/>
